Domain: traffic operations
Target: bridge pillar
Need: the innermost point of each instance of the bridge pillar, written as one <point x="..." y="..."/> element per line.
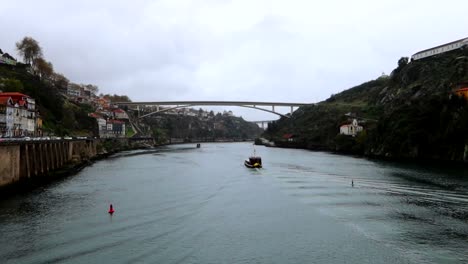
<point x="34" y="160"/>
<point x="273" y="108"/>
<point x="40" y="158"/>
<point x="28" y="163"/>
<point x="292" y="110"/>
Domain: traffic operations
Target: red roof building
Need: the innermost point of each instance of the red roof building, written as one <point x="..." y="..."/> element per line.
<point x="95" y="115"/>
<point x="6" y="101"/>
<point x="119" y="113"/>
<point x="462" y="92"/>
<point x="19" y="98"/>
<point x="288" y="137"/>
<point x="14" y="95"/>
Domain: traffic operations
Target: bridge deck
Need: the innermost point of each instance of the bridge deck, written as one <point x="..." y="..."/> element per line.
<point x="230" y="103"/>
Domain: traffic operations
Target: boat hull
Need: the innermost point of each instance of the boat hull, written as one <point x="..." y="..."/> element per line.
<point x="252" y="166"/>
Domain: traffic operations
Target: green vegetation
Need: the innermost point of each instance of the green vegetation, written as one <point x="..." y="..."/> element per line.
<point x="11" y="85"/>
<point x="410" y="114"/>
<point x="192" y="128"/>
<point x="37" y="79"/>
<point x="160" y="135"/>
<point x="29" y="49"/>
<point x="433" y="127"/>
<point x="116" y="98"/>
<point x="60" y="116"/>
<point x="129" y="131"/>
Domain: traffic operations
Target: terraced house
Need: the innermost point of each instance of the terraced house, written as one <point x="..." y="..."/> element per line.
<point x="6" y="116"/>
<point x="18" y="117"/>
<point x="6" y="58"/>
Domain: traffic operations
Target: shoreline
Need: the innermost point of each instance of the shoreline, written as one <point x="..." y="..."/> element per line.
<point x="28" y="185"/>
<point x="402" y="160"/>
<point x="68" y="170"/>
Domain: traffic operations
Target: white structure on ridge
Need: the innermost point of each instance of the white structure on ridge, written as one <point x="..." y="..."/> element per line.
<point x="440" y="49"/>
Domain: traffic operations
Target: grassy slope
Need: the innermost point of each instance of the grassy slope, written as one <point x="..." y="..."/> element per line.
<point x="416" y="115"/>
<point x="178" y="127"/>
<point x="60" y="117"/>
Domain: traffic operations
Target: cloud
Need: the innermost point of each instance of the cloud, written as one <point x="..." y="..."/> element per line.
<point x="263" y="50"/>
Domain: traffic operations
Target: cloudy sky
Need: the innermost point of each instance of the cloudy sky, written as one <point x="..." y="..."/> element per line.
<point x="290" y="51"/>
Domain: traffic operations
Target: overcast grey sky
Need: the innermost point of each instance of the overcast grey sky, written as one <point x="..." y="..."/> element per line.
<point x="292" y="51"/>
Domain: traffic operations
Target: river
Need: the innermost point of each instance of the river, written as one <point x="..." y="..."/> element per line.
<point x="180" y="204"/>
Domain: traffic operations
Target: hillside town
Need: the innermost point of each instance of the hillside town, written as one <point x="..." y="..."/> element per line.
<point x="21" y="119"/>
<point x="18" y="116"/>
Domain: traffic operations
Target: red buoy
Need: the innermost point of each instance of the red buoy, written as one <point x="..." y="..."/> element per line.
<point x="111" y="209"/>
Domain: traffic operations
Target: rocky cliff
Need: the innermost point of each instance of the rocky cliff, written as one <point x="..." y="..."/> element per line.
<point x="413" y="113"/>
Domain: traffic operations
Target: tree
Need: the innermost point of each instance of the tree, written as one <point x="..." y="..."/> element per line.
<point x="43" y="68"/>
<point x="402" y="62"/>
<point x="93" y="88"/>
<point x="117" y="98"/>
<point x="60" y="81"/>
<point x="75" y="86"/>
<point x="160" y="135"/>
<point x="11" y="85"/>
<point x="29" y="49"/>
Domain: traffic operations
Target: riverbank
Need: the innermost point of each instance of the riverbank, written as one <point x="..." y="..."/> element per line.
<point x="28" y="165"/>
<point x="361" y="154"/>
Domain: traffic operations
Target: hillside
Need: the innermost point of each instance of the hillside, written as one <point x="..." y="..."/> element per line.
<point x="60" y="116"/>
<point x="63" y="117"/>
<point x="197" y="128"/>
<point x="412" y="113"/>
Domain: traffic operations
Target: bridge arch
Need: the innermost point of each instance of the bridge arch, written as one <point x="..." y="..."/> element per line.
<point x="184" y="104"/>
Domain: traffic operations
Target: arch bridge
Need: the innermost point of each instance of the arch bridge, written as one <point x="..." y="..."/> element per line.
<point x="172" y="105"/>
<point x="263" y="124"/>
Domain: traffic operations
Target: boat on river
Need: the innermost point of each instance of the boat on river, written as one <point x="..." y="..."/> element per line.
<point x="254" y="161"/>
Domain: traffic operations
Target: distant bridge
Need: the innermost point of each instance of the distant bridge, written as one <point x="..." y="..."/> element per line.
<point x="184" y="104"/>
<point x="262" y="123"/>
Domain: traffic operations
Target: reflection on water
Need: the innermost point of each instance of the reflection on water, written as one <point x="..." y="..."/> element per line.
<point x="409" y="207"/>
<point x="180" y="204"/>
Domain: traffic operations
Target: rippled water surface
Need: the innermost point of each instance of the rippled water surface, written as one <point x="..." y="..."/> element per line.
<point x="180" y="204"/>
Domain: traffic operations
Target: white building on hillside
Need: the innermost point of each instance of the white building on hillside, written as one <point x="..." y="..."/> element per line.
<point x="6" y="116"/>
<point x="119" y="113"/>
<point x="20" y="114"/>
<point x="440" y="49"/>
<point x="351" y="129"/>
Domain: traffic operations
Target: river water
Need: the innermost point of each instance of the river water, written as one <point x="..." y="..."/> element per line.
<point x="180" y="204"/>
